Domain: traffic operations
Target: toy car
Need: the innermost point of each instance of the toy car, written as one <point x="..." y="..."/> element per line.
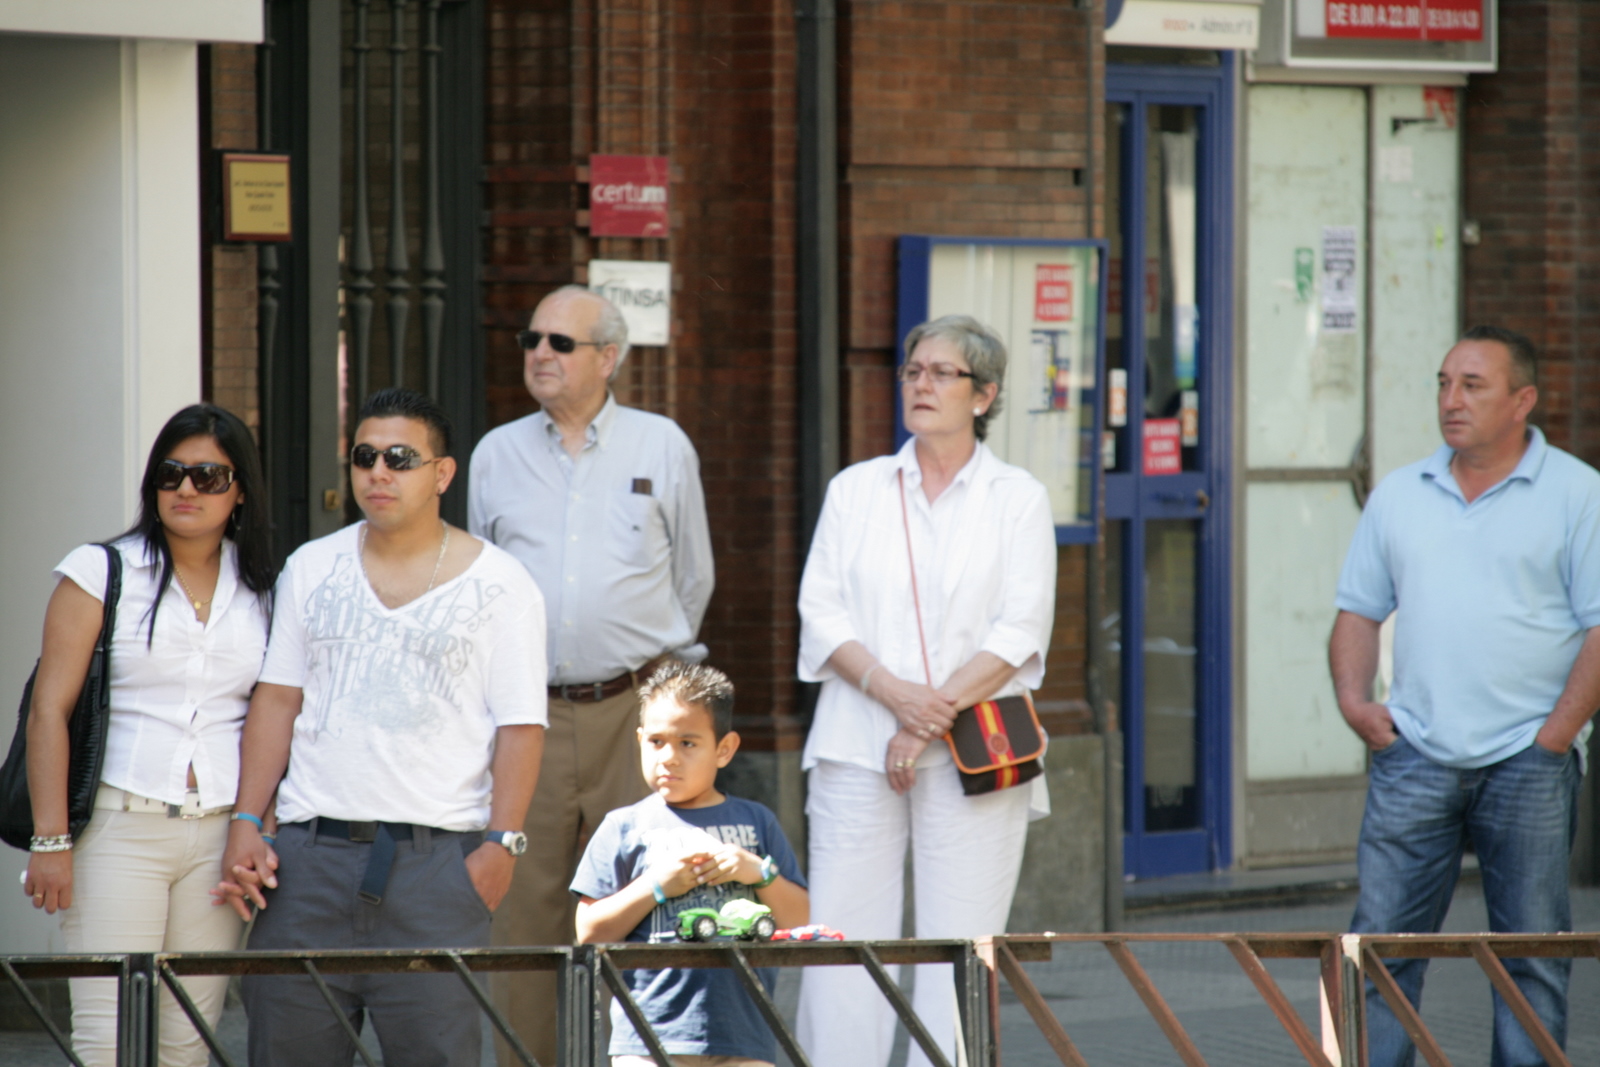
<point x="810" y="932"/>
<point x="742" y="919"/>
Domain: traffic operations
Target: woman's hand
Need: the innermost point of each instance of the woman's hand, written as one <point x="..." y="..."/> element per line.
<point x="900" y="761"/>
<point x="921" y="709"/>
<point x="49" y="880"/>
<point x="248" y="866"/>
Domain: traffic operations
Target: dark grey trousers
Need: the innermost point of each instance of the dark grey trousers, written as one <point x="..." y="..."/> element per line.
<point x="421" y="1020"/>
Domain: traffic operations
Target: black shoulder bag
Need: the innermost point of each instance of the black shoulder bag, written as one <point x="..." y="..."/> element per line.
<point x="86" y="734"/>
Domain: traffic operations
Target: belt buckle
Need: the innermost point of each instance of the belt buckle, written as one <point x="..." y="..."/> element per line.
<point x="599" y="692"/>
<point x="363" y="833"/>
<point x="189" y="809"/>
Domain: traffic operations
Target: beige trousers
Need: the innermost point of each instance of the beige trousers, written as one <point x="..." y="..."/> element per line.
<point x="141" y="883"/>
<point x="590" y="767"/>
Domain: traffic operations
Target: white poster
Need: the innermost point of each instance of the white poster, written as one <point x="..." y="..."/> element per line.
<point x="642" y="291"/>
<point x="1339" y="296"/>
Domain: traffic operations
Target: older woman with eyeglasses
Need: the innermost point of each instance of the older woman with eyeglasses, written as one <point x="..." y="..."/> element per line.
<point x="188" y="643"/>
<point x="982" y="540"/>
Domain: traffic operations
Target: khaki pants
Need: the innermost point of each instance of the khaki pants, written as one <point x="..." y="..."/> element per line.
<point x="590" y="767"/>
<point x="142" y="883"/>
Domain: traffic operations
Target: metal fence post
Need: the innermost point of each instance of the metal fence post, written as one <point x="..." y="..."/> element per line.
<point x="579" y="1000"/>
<point x="1352" y="1001"/>
<point x="141" y="998"/>
<point x="972" y="1002"/>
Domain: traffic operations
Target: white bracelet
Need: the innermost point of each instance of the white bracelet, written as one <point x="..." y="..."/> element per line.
<point x="867" y="677"/>
<point x="58" y="843"/>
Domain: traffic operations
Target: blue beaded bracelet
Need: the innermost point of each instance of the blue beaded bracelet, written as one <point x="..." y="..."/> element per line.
<point x="242" y="816"/>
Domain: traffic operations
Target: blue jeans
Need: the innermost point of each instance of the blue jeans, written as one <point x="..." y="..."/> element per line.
<point x="1520" y="815"/>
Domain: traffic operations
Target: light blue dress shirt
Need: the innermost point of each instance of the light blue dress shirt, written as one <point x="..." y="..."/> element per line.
<point x="1492" y="598"/>
<point x="616" y="538"/>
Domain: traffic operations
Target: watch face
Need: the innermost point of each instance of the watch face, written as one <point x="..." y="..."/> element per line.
<point x="515" y="841"/>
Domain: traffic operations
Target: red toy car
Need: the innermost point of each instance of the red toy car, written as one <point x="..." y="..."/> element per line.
<point x="811" y="932"/>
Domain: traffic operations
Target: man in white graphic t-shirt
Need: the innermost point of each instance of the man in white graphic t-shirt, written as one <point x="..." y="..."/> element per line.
<point x="400" y="719"/>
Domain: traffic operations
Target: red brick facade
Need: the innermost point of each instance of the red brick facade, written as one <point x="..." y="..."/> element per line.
<point x="228" y="346"/>
<point x="955" y="118"/>
<point x="1532" y="182"/>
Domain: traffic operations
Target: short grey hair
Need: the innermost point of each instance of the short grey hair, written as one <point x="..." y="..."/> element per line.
<point x="609" y="329"/>
<point x="979" y="345"/>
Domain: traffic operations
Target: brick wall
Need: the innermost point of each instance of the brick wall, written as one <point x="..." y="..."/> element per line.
<point x="959" y="119"/>
<point x="228" y="343"/>
<point x="709" y="84"/>
<point x="1532" y="181"/>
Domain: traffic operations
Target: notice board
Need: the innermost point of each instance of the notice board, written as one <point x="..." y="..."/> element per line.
<point x="1046" y="300"/>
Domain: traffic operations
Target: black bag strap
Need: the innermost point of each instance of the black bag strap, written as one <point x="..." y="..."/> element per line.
<point x="108" y="618"/>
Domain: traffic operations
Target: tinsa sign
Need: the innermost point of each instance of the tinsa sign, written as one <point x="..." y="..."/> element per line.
<point x="628" y="196"/>
<point x="642" y="292"/>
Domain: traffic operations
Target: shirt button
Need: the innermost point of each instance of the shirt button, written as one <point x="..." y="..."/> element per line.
<point x="570" y="578"/>
<point x="574" y="537"/>
<point x="574" y="498"/>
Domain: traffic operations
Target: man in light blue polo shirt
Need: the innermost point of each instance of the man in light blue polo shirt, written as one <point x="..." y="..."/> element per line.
<point x="1488" y="553"/>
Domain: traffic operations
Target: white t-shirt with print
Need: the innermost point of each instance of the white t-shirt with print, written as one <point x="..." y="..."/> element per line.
<point x="401" y="705"/>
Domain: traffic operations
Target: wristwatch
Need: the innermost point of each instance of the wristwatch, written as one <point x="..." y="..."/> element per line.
<point x="514" y="841"/>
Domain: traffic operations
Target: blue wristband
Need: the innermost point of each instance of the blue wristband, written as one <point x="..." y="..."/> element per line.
<point x="660" y="894"/>
<point x="269" y="839"/>
<point x="242" y="816"/>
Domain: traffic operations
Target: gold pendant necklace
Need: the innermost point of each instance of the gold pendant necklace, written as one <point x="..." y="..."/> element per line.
<point x="196" y="601"/>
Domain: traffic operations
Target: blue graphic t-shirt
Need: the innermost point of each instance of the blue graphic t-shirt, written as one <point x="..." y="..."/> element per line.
<point x="701" y="1011"/>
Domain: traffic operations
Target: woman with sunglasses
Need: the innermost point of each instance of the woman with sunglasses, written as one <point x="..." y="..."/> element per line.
<point x="190" y="635"/>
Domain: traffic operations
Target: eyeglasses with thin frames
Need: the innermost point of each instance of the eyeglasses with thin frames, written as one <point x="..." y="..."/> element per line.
<point x="529" y="340"/>
<point x="942" y="373"/>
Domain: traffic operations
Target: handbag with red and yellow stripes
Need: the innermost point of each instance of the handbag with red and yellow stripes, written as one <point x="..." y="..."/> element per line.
<point x="996" y="744"/>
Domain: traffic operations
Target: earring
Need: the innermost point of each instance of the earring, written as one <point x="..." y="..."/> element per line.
<point x="977" y="411"/>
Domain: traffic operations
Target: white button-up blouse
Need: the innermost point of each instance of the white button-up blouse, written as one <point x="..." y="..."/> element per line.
<point x="181" y="698"/>
<point x="986" y="575"/>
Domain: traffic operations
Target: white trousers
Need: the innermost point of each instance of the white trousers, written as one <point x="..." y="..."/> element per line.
<point x="141" y="883"/>
<point x="966" y="853"/>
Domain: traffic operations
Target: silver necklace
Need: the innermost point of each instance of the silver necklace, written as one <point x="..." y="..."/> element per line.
<point x="361" y="558"/>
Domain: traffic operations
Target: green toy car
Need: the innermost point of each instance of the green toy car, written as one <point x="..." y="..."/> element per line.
<point x="742" y="919"/>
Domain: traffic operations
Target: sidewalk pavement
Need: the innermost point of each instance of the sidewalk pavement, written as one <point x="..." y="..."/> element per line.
<point x="1215" y="1002"/>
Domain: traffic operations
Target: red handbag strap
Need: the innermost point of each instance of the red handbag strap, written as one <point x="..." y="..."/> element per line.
<point x="916" y="601"/>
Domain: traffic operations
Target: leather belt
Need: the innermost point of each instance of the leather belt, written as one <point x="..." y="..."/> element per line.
<point x="113" y="799"/>
<point x="594" y="692"/>
<point x="384" y="838"/>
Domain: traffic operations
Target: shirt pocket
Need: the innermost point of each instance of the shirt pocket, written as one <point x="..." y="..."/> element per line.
<point x="636" y="533"/>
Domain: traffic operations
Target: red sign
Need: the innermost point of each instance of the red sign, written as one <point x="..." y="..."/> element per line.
<point x="1405" y="20"/>
<point x="1052" y="292"/>
<point x="1162" y="454"/>
<point x="628" y="196"/>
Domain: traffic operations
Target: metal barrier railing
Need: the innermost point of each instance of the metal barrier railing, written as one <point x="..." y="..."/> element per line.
<point x="1347" y="961"/>
<point x="971" y="985"/>
<point x="584" y="974"/>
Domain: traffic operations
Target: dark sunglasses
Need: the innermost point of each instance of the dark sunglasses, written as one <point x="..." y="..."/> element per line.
<point x="529" y="340"/>
<point x="210" y="478"/>
<point x="395" y="457"/>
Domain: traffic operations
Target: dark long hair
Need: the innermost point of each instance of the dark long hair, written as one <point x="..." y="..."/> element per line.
<point x="248" y="527"/>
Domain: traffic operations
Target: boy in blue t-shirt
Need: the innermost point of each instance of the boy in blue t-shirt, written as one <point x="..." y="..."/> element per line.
<point x="687" y="846"/>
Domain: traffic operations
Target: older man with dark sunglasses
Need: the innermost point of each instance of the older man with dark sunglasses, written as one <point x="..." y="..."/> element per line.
<point x="603" y="505"/>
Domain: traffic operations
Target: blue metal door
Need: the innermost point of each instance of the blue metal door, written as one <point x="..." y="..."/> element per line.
<point x="1166" y="454"/>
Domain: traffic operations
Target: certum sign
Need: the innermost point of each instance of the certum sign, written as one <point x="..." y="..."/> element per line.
<point x="628" y="196"/>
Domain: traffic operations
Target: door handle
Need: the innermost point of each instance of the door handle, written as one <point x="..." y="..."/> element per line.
<point x="1201" y="499"/>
